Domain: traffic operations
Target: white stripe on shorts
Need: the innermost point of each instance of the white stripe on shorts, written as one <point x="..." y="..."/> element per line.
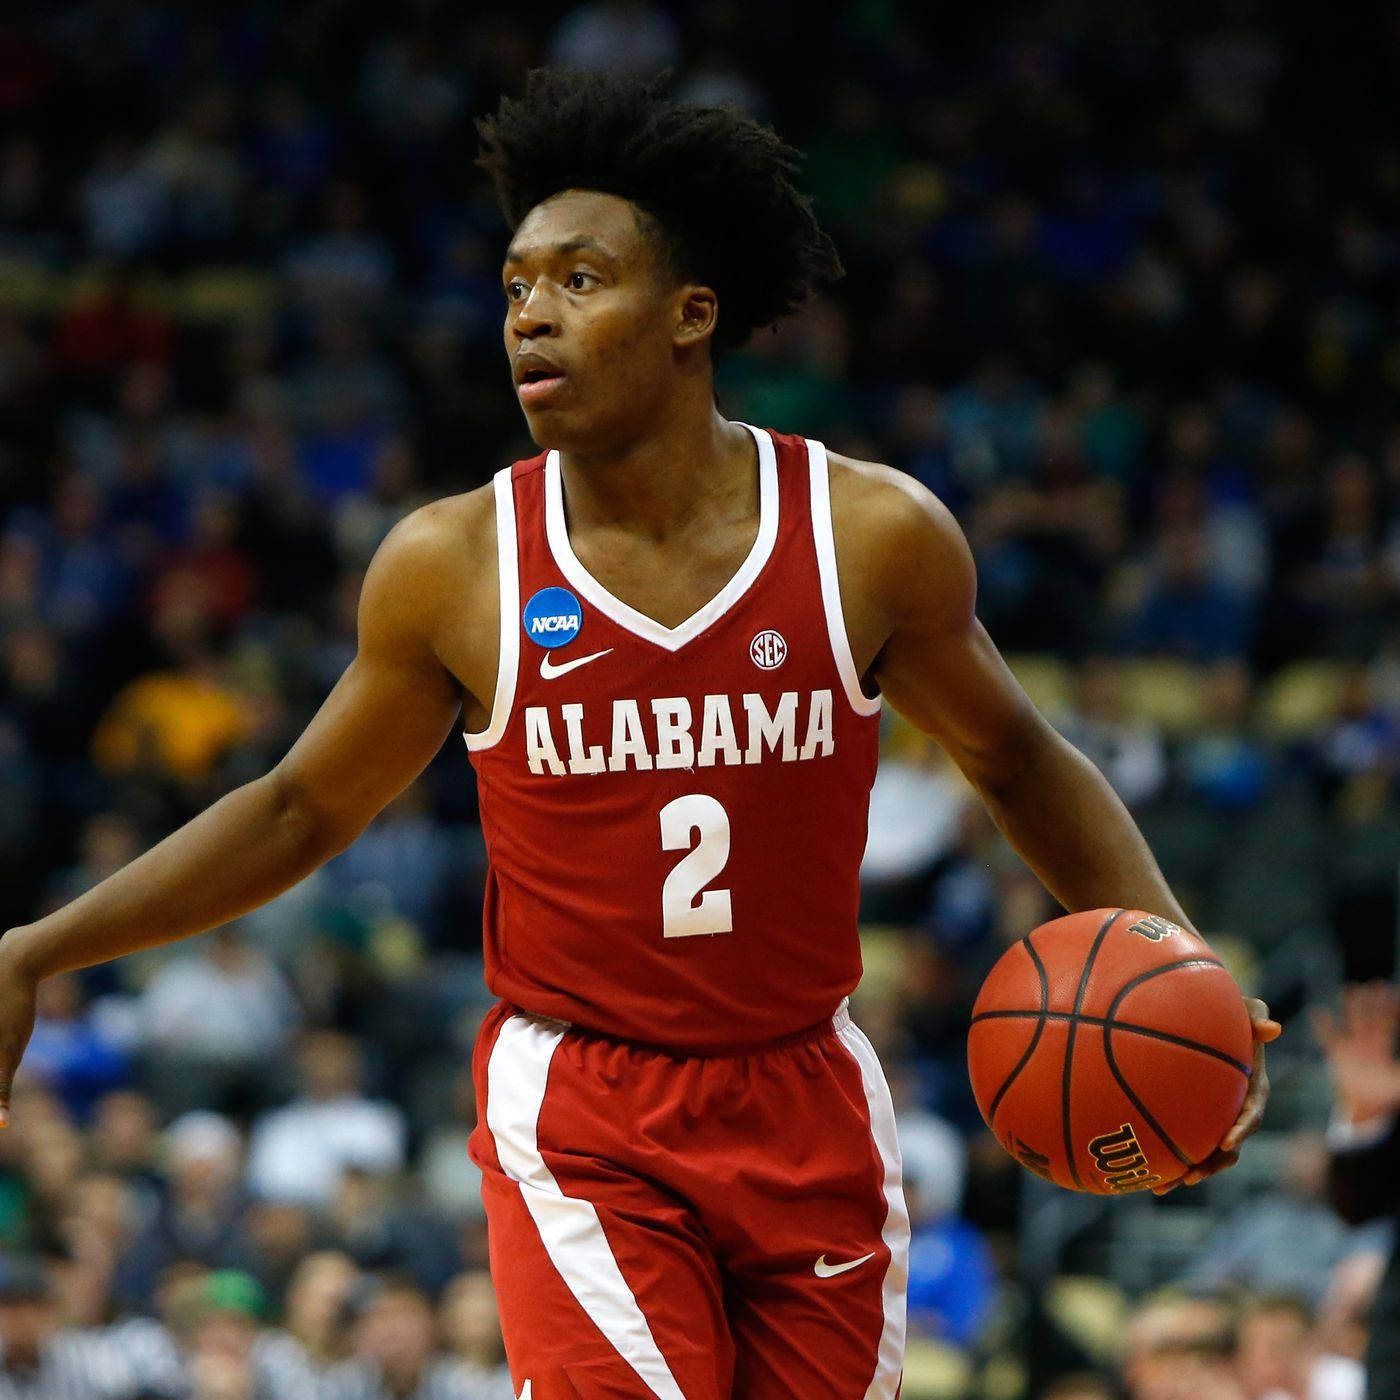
<point x="889" y="1365"/>
<point x="569" y="1227"/>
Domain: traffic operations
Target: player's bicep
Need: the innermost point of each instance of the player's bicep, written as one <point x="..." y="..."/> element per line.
<point x="939" y="668"/>
<point x="390" y="711"/>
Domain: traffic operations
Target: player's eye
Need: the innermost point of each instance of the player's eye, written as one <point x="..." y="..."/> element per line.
<point x="516" y="290"/>
<point x="580" y="281"/>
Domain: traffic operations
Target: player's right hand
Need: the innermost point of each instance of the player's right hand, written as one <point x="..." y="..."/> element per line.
<point x="1361" y="1051"/>
<point x="18" y="995"/>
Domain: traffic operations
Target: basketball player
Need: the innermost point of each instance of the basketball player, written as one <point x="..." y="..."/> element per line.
<point x="668" y="640"/>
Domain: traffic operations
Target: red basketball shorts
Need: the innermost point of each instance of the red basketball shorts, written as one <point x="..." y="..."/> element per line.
<point x="692" y="1228"/>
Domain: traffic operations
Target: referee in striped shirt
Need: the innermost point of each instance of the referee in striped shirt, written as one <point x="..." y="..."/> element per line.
<point x="42" y="1360"/>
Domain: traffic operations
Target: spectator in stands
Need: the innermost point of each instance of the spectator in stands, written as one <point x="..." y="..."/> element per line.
<point x="69" y="1053"/>
<point x="220" y="1315"/>
<point x="123" y="201"/>
<point x="470" y="1327"/>
<point x="1343" y="1319"/>
<point x="299" y="1152"/>
<point x="395" y="1350"/>
<point x="451" y="1180"/>
<point x="402" y="864"/>
<point x="1176" y="1347"/>
<point x="297" y="1358"/>
<point x="1185" y="613"/>
<point x="1360" y="1043"/>
<point x="1342" y="586"/>
<point x="201" y="1215"/>
<point x="1223" y="762"/>
<point x="1128" y="749"/>
<point x="123" y="1139"/>
<point x="40" y="1359"/>
<point x="346" y="261"/>
<point x="952" y="1278"/>
<point x="1278" y="1357"/>
<point x="382" y="1228"/>
<point x="212" y="1020"/>
<point x="619" y="36"/>
<point x="1282" y="1241"/>
<point x="916" y="810"/>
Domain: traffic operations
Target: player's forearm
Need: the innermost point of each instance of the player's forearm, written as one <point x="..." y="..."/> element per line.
<point x="1073" y="830"/>
<point x="248" y="847"/>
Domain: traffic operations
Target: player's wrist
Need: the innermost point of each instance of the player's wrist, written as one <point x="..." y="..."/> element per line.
<point x="17" y="953"/>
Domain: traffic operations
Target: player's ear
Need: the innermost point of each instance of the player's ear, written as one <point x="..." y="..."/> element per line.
<point x="697" y="315"/>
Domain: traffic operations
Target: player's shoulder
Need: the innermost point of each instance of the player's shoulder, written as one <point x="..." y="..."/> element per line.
<point x="448" y="525"/>
<point x="439" y="552"/>
<point x="453" y="534"/>
<point x="876" y="507"/>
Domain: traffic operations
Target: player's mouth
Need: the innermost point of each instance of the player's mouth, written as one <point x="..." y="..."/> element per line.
<point x="536" y="378"/>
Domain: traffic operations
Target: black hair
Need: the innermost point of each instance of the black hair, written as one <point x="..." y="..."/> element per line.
<point x="717" y="185"/>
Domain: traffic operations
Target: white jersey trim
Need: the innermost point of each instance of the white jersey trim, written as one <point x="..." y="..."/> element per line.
<point x="572" y="1234"/>
<point x="820" y="470"/>
<point x="508" y="659"/>
<point x="627" y="617"/>
<point x="889" y="1363"/>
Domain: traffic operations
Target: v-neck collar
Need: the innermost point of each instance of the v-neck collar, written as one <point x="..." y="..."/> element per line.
<point x="626" y="616"/>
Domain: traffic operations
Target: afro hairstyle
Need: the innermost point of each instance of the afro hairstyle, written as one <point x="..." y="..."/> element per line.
<point x="717" y="186"/>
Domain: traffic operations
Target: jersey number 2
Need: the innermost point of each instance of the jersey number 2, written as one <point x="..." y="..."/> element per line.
<point x="698" y="825"/>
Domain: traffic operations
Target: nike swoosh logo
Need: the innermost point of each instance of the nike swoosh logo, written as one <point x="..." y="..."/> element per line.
<point x="550" y="671"/>
<point x="524" y="1394"/>
<point x="824" y="1270"/>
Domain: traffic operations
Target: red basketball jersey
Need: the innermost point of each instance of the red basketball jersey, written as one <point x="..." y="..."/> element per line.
<point x="675" y="816"/>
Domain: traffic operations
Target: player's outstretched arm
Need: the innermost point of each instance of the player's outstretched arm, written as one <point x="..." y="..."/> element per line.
<point x="940" y="669"/>
<point x="385" y="719"/>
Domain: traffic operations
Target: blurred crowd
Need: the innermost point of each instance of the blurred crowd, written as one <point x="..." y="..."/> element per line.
<point x="1121" y="289"/>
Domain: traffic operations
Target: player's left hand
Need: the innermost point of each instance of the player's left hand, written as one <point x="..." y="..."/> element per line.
<point x="1251" y="1111"/>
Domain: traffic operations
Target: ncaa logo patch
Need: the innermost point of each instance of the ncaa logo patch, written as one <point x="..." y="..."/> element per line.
<point x="768" y="650"/>
<point x="553" y="617"/>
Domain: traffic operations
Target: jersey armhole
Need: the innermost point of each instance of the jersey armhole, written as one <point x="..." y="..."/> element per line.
<point x="509" y="656"/>
<point x="825" y="541"/>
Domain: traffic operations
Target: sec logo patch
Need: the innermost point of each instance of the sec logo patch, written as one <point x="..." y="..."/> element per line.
<point x="553" y="617"/>
<point x="768" y="650"/>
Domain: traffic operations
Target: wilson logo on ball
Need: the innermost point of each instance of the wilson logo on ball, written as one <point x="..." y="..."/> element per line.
<point x="768" y="650"/>
<point x="1121" y="1161"/>
<point x="1154" y="928"/>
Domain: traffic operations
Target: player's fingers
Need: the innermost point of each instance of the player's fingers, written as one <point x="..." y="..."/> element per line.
<point x="1218" y="1161"/>
<point x="1252" y="1110"/>
<point x="11" y="1049"/>
<point x="1265" y="1028"/>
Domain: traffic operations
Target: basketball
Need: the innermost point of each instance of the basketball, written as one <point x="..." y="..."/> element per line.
<point x="1109" y="1051"/>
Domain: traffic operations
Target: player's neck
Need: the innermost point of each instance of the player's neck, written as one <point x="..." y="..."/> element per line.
<point x="665" y="481"/>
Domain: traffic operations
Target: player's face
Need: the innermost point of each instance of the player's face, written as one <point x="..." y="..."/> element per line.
<point x="591" y="321"/>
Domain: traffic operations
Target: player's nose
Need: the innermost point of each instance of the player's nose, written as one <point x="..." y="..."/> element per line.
<point x="536" y="315"/>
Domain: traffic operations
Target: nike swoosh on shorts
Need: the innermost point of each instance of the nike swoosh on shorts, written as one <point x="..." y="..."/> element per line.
<point x="549" y="670"/>
<point x="824" y="1270"/>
